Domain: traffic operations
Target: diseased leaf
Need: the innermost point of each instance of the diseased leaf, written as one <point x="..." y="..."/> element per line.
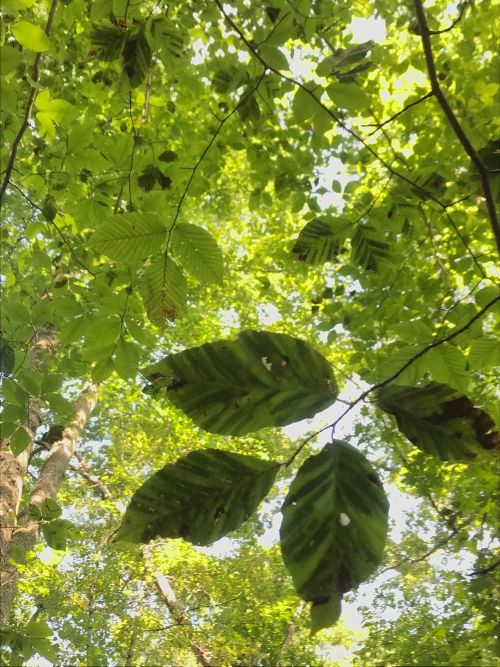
<point x="235" y="387"/>
<point x="321" y="240"/>
<point x="200" y="497"/>
<point x="198" y="252"/>
<point x="334" y="528"/>
<point x="163" y="289"/>
<point x="130" y="236"/>
<point x="440" y="420"/>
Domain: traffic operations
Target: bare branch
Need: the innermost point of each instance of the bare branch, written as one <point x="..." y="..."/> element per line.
<point x="455" y="22"/>
<point x="485" y="570"/>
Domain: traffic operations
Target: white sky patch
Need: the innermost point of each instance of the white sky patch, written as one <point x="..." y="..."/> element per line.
<point x="268" y="314"/>
<point x="364" y="29"/>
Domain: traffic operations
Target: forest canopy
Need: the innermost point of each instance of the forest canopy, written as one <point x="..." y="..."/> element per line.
<point x="249" y="337"/>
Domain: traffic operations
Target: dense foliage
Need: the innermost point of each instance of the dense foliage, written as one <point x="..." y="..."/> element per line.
<point x="220" y="219"/>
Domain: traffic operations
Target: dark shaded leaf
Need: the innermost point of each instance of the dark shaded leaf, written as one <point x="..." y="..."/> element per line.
<point x="334" y="528"/>
<point x="236" y="387"/>
<point x="321" y="240"/>
<point x="200" y="497"/>
<point x="440" y="420"/>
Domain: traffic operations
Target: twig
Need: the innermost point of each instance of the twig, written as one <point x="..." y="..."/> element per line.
<point x="63" y="237"/>
<point x="485" y="570"/>
<point x="453" y="121"/>
<point x="436" y="547"/>
<point x="29" y="107"/>
<point x="392" y="377"/>
<point x="379" y="126"/>
<point x="454" y="23"/>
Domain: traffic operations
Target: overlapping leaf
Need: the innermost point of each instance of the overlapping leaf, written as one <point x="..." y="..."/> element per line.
<point x="440" y="420"/>
<point x="334" y="528"/>
<point x="369" y="251"/>
<point x="198" y="252"/>
<point x="163" y="289"/>
<point x="235" y="387"/>
<point x="200" y="497"/>
<point x="320" y="240"/>
<point x="130" y="236"/>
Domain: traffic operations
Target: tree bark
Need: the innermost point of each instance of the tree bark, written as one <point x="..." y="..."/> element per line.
<point x="175" y="608"/>
<point x="21" y="533"/>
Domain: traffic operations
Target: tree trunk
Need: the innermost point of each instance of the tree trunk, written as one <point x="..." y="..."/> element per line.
<point x="19" y="538"/>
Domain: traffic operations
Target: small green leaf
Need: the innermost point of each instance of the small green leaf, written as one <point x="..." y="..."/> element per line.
<point x="38" y="629"/>
<point x="440" y="420"/>
<point x="303" y="106"/>
<point x="235" y="387"/>
<point x="30" y="36"/>
<point x="200" y="497"/>
<point x="102" y="370"/>
<point x="198" y="252"/>
<point x="334" y="528"/>
<point x="19" y="441"/>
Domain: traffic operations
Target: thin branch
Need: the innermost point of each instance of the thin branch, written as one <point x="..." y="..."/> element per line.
<point x="379" y="126"/>
<point x="454" y="23"/>
<point x="63" y="237"/>
<point x="29" y="107"/>
<point x="454" y="123"/>
<point x="485" y="570"/>
<point x="395" y="375"/>
<point x="439" y="544"/>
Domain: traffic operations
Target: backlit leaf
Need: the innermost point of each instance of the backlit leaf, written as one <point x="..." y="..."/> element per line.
<point x="130" y="236"/>
<point x="440" y="420"/>
<point x="163" y="289"/>
<point x="235" y="387"/>
<point x="321" y="240"/>
<point x="334" y="528"/>
<point x="198" y="252"/>
<point x="30" y="36"/>
<point x="200" y="498"/>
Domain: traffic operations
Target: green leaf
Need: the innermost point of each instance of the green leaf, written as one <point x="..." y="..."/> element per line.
<point x="7" y="428"/>
<point x="38" y="629"/>
<point x="248" y="108"/>
<point x="7" y="358"/>
<point x="130" y="236"/>
<point x="348" y="96"/>
<point x="30" y="36"/>
<point x="10" y="59"/>
<point x="200" y="498"/>
<point x="44" y="648"/>
<point x="484" y="353"/>
<point x="321" y="240"/>
<point x="56" y="533"/>
<point x="235" y="387"/>
<point x="163" y="289"/>
<point x="368" y="250"/>
<point x="334" y="528"/>
<point x="303" y="106"/>
<point x="50" y="509"/>
<point x="19" y="441"/>
<point x="126" y="360"/>
<point x="274" y="57"/>
<point x="198" y="252"/>
<point x="440" y="420"/>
